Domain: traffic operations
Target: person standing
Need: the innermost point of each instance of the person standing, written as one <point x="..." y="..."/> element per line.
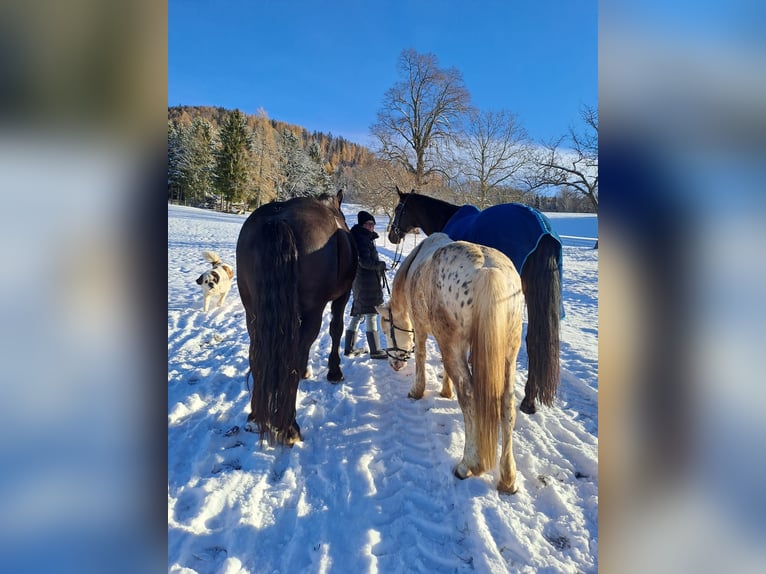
<point x="367" y="289"/>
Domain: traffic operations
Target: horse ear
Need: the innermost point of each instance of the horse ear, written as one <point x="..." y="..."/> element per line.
<point x="339" y="195"/>
<point x="412" y="190"/>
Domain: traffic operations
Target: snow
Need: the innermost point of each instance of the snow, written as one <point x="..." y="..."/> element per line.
<point x="370" y="489"/>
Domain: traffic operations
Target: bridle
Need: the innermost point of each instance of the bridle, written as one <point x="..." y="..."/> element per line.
<point x="402" y="354"/>
<point x="398" y="216"/>
<point x="398" y="231"/>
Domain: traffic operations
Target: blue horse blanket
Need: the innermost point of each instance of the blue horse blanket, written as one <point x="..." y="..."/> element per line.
<point x="513" y="228"/>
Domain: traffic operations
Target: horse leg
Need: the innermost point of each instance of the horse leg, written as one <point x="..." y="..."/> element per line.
<point x="311" y="321"/>
<point x="456" y="365"/>
<point x="419" y="385"/>
<point x="507" y="482"/>
<point x="527" y="405"/>
<point x="446" y="391"/>
<point x="334" y="372"/>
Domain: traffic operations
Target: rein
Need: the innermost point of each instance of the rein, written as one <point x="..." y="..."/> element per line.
<point x="397" y="256"/>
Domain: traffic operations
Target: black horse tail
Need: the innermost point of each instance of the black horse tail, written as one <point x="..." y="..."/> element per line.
<point x="275" y="334"/>
<point x="541" y="281"/>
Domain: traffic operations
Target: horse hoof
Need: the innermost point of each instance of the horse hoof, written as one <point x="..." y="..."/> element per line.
<point x="527" y="407"/>
<point x="415" y="396"/>
<point x="506" y="489"/>
<point x="461" y="471"/>
<point x="446" y="395"/>
<point x="293" y="435"/>
<point x="335" y="377"/>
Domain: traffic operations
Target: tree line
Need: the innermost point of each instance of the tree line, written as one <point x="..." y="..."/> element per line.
<point x="225" y="158"/>
<point x="428" y="137"/>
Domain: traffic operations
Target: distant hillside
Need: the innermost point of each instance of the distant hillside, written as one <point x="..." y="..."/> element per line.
<point x="336" y="150"/>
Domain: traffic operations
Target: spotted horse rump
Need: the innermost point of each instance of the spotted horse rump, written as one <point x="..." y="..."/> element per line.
<point x="469" y="298"/>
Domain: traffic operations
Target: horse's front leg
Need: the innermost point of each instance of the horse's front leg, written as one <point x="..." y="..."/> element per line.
<point x="446" y="391"/>
<point x="334" y="372"/>
<point x="419" y="386"/>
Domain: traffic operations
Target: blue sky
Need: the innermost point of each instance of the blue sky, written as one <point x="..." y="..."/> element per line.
<point x="325" y="65"/>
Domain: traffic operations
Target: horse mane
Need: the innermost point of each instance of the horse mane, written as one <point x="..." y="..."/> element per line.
<point x="441" y="202"/>
<point x="401" y="275"/>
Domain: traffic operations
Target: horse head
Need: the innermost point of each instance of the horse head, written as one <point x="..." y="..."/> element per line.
<point x="403" y="222"/>
<point x="393" y="322"/>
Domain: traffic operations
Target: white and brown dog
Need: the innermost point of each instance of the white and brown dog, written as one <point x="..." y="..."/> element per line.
<point x="217" y="281"/>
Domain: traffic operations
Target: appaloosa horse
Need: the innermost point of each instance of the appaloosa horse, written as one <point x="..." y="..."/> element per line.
<point x="523" y="234"/>
<point x="293" y="257"/>
<point x="469" y="297"/>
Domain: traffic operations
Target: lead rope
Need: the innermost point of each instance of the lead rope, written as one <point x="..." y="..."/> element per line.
<point x="398" y="254"/>
<point x="385" y="281"/>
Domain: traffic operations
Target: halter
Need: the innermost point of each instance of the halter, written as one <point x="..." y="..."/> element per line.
<point x="398" y="231"/>
<point x="406" y="354"/>
<point x="398" y="215"/>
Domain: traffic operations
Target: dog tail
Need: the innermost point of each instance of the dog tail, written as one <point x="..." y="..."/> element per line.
<point x="211" y="256"/>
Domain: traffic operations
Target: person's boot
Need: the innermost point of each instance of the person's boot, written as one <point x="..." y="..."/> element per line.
<point x="373" y="340"/>
<point x="348" y="349"/>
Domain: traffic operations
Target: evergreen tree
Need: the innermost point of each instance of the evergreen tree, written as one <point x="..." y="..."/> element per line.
<point x="175" y="161"/>
<point x="321" y="181"/>
<point x="296" y="172"/>
<point x="201" y="159"/>
<point x="233" y="168"/>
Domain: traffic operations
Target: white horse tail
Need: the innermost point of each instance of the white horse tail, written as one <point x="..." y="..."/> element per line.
<point x="489" y="344"/>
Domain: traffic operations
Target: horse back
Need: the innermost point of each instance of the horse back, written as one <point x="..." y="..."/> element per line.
<point x="325" y="251"/>
<point x="514" y="229"/>
<point x="454" y="273"/>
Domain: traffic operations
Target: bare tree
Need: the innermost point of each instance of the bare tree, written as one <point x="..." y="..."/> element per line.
<point x="419" y="113"/>
<point x="575" y="168"/>
<point x="372" y="184"/>
<point x="492" y="150"/>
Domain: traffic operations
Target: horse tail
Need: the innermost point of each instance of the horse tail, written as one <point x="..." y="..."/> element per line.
<point x="489" y="344"/>
<point x="275" y="333"/>
<point x="541" y="279"/>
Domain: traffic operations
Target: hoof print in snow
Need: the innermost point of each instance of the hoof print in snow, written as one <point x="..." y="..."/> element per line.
<point x="557" y="541"/>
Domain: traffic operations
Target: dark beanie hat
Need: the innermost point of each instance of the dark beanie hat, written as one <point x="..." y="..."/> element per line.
<point x="364" y="217"/>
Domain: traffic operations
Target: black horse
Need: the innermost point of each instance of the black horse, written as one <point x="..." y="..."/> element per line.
<point x="526" y="237"/>
<point x="293" y="257"/>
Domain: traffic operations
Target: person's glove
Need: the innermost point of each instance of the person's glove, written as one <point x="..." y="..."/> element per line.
<point x="381" y="266"/>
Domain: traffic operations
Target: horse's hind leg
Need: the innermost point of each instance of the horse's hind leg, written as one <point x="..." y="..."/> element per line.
<point x="311" y="322"/>
<point x="456" y="365"/>
<point x="507" y="482"/>
<point x="527" y="405"/>
<point x="334" y="372"/>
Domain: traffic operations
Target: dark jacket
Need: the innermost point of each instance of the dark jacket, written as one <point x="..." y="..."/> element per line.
<point x="368" y="290"/>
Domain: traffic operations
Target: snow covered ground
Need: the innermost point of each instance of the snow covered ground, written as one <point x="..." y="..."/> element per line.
<point x="370" y="489"/>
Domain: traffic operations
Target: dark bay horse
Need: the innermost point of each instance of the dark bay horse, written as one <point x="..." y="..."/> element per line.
<point x="527" y="238"/>
<point x="293" y="257"/>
